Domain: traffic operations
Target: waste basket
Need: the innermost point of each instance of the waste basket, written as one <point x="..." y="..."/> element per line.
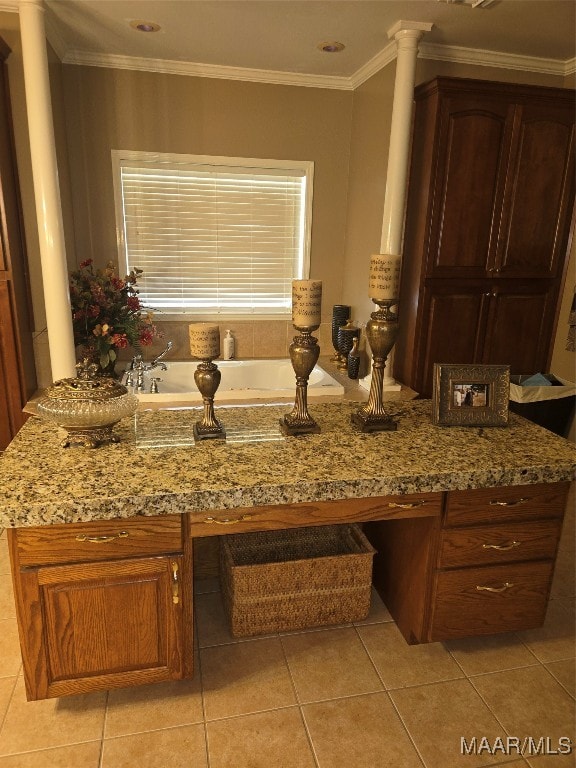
<point x="544" y="399"/>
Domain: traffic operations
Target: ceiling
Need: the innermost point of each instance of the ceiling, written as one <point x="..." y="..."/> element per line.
<point x="258" y="38"/>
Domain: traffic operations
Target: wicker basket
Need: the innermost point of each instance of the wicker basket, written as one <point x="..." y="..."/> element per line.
<point x="275" y="581"/>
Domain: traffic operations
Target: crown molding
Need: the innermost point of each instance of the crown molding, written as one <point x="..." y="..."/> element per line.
<point x="387" y="55"/>
<point x="193" y="69"/>
<point x="384" y="57"/>
<point x="484" y="58"/>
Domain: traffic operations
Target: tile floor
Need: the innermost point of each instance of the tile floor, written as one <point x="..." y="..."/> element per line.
<point x="353" y="696"/>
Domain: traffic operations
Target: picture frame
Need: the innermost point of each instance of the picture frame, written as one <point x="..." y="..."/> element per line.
<point x="471" y="395"/>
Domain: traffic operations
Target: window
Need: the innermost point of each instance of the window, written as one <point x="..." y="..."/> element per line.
<point x="213" y="235"/>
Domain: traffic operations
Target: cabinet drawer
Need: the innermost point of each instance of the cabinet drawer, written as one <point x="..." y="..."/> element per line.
<point x="493" y="544"/>
<point x="481" y="601"/>
<point x="275" y="516"/>
<point x="100" y="540"/>
<point x="513" y="502"/>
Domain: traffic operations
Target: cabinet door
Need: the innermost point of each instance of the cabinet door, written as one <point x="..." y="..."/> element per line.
<point x="469" y="185"/>
<point x="454" y="319"/>
<point x="539" y="192"/>
<point x="520" y="327"/>
<point x="96" y="626"/>
<point x="11" y="399"/>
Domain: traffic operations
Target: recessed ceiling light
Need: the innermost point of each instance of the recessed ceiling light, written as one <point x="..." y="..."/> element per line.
<point x="331" y="47"/>
<point x="144" y="26"/>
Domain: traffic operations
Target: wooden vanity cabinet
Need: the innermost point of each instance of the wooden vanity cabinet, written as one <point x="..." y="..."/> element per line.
<point x="495" y="560"/>
<point x="489" y="210"/>
<point x="485" y="566"/>
<point x="103" y="605"/>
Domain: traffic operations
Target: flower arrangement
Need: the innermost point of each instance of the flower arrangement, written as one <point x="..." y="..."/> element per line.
<point x="107" y="314"/>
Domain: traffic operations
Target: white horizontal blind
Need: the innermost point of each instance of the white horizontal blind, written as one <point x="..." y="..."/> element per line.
<point x="213" y="239"/>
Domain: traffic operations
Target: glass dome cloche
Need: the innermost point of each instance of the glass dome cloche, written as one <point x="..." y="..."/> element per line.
<point x="87" y="407"/>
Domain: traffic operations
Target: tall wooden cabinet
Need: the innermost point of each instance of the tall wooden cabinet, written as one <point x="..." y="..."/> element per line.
<point x="17" y="369"/>
<point x="488" y="221"/>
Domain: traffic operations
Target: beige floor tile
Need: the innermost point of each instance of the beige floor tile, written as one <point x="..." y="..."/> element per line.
<point x="6" y="688"/>
<point x="439" y="716"/>
<point x="211" y="621"/>
<point x="10" y="658"/>
<point x="242" y="678"/>
<point x="565" y="673"/>
<point x="264" y="740"/>
<point x="400" y="664"/>
<point x="7" y="605"/>
<point x="329" y="664"/>
<point x="530" y="703"/>
<point x="564" y="580"/>
<point x="378" y="611"/>
<point x="555" y="640"/>
<point x="359" y="732"/>
<point x="552" y="760"/>
<point x="183" y="747"/>
<point x="77" y="756"/>
<point x="152" y="707"/>
<point x="31" y="725"/>
<point x="491" y="653"/>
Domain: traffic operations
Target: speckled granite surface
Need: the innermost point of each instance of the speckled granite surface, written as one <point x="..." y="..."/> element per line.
<point x="157" y="468"/>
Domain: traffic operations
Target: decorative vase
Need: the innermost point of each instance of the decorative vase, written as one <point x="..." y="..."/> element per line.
<point x="87" y="407"/>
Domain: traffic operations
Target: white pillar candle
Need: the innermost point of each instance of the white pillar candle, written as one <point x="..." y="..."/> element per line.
<point x="384" y="276"/>
<point x="204" y="340"/>
<point x="306" y="303"/>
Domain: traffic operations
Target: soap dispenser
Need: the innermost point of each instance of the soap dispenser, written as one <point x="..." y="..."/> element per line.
<point x="228" y="345"/>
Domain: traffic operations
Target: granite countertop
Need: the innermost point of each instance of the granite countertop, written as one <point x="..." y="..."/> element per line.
<point x="157" y="469"/>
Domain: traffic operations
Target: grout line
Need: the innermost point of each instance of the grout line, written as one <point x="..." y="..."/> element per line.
<point x="390" y="699"/>
<point x="104" y="719"/>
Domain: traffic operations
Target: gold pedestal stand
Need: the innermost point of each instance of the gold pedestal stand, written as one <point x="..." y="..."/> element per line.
<point x="304" y="353"/>
<point x="207" y="378"/>
<point x="381" y="332"/>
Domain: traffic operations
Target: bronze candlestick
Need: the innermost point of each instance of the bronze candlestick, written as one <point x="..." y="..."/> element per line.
<point x="207" y="378"/>
<point x="381" y="332"/>
<point x="304" y="353"/>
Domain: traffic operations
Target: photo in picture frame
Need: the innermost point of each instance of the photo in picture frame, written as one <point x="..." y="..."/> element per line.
<point x="470" y="395"/>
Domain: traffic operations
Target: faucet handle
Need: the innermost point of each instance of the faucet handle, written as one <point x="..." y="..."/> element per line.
<point x="154" y="384"/>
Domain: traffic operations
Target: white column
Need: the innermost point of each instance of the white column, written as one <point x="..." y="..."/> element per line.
<point x="407" y="35"/>
<point x="47" y="189"/>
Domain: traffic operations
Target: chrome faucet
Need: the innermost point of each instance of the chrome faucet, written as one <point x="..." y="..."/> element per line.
<point x="155" y="363"/>
<point x="138" y="366"/>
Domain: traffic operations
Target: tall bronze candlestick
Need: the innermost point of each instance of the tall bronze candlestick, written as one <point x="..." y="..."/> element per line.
<point x="304" y="353"/>
<point x="381" y="332"/>
<point x="205" y="345"/>
<point x="207" y="378"/>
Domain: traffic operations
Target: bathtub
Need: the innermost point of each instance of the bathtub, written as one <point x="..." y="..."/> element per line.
<point x="241" y="380"/>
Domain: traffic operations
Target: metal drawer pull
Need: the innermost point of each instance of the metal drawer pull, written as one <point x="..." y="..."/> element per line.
<point x="102" y="539"/>
<point x="175" y="585"/>
<point x="227" y="521"/>
<point x="503" y="588"/>
<point x="502" y="547"/>
<point x="521" y="500"/>
<point x="406" y="505"/>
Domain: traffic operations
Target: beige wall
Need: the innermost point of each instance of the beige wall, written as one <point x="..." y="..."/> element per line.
<point x="117" y="109"/>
